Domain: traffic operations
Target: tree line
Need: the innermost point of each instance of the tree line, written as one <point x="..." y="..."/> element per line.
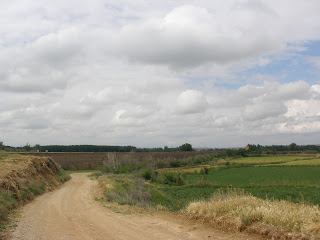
<point x="91" y="148"/>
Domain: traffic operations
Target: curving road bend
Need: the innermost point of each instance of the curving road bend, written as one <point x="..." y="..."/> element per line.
<point x="71" y="212"/>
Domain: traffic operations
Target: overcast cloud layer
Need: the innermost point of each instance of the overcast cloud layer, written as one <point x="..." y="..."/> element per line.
<point x="155" y="73"/>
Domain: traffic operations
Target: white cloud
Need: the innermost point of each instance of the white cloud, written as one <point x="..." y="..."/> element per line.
<point x="191" y="36"/>
<point x="191" y="101"/>
<point x="147" y="73"/>
<point x="264" y="110"/>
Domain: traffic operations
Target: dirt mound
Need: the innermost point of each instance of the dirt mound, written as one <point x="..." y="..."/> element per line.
<point x="21" y="179"/>
<point x="21" y="173"/>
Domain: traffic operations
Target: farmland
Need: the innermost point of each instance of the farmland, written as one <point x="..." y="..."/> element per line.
<point x="306" y="162"/>
<point x="292" y="178"/>
<point x="295" y="178"/>
<point x="269" y="160"/>
<point x="276" y="182"/>
<point x="260" y="176"/>
<point x="234" y="187"/>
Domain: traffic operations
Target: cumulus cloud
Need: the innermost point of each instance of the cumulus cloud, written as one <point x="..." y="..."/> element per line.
<point x="264" y="110"/>
<point x="156" y="74"/>
<point x="190" y="36"/>
<point x="191" y="101"/>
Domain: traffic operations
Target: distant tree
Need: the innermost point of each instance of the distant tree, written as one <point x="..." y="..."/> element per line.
<point x="293" y="146"/>
<point x="37" y="147"/>
<point x="185" y="147"/>
<point x="2" y="147"/>
<point x="27" y="147"/>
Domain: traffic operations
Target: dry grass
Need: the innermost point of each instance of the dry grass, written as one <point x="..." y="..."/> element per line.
<point x="274" y="218"/>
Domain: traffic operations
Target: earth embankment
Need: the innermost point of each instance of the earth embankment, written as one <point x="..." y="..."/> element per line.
<point x="21" y="179"/>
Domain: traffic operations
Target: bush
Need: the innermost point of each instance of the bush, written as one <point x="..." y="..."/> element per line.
<point x="124" y="169"/>
<point x="176" y="163"/>
<point x="172" y="178"/>
<point x="147" y="174"/>
<point x="105" y="169"/>
<point x="204" y="171"/>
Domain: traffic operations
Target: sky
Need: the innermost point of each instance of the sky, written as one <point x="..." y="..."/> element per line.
<point x="160" y="73"/>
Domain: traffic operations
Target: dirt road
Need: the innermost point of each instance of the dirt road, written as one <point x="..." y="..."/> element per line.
<point x="71" y="212"/>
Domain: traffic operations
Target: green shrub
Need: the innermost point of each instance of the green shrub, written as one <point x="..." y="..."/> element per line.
<point x="177" y="163"/>
<point x="124" y="169"/>
<point x="200" y="160"/>
<point x="147" y="174"/>
<point x="204" y="171"/>
<point x="105" y="169"/>
<point x="172" y="178"/>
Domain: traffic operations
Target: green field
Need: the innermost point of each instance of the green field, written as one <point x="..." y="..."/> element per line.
<point x="307" y="162"/>
<point x="268" y="160"/>
<point x="293" y="183"/>
<point x="260" y="176"/>
<point x="297" y="179"/>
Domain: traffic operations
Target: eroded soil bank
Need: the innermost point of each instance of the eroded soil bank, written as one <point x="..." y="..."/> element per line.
<point x="21" y="179"/>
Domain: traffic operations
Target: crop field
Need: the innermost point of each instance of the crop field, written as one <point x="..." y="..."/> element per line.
<point x="261" y="176"/>
<point x="294" y="180"/>
<point x="307" y="162"/>
<point x="259" y="184"/>
<point x="268" y="160"/>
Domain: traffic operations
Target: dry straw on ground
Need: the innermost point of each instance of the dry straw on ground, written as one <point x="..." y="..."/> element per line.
<point x="273" y="218"/>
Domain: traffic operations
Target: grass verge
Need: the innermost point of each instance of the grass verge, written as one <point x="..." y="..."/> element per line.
<point x="131" y="190"/>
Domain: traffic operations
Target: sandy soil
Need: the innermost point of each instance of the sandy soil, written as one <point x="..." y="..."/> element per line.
<point x="71" y="212"/>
